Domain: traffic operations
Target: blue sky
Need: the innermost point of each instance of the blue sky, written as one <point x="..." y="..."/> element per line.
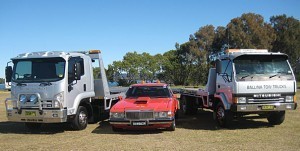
<point x="118" y="26"/>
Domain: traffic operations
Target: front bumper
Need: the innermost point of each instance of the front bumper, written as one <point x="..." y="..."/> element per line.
<point x="153" y="123"/>
<point x="259" y="107"/>
<point x="45" y="116"/>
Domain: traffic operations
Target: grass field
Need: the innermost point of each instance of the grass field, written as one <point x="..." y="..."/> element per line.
<point x="192" y="133"/>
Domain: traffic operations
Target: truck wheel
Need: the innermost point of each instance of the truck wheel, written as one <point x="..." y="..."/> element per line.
<point x="176" y="114"/>
<point x="33" y="126"/>
<point x="276" y="118"/>
<point x="187" y="107"/>
<point x="223" y="117"/>
<point x="173" y="126"/>
<point x="80" y="120"/>
<point x="115" y="129"/>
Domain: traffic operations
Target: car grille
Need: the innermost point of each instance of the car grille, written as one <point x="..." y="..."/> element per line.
<point x="139" y="115"/>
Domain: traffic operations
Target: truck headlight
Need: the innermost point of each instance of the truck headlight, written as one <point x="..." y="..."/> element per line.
<point x="289" y="99"/>
<point x="22" y="98"/>
<point x="116" y="115"/>
<point x="10" y="104"/>
<point x="165" y="114"/>
<point x="240" y="100"/>
<point x="58" y="100"/>
<point x="33" y="98"/>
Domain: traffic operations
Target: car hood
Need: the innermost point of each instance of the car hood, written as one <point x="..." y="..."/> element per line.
<point x="143" y="103"/>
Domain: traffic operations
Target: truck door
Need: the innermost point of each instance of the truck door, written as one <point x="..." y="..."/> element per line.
<point x="224" y="83"/>
<point x="75" y="87"/>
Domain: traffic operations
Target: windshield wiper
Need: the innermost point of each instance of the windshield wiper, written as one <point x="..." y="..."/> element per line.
<point x="21" y="84"/>
<point x="159" y="96"/>
<point x="277" y="74"/>
<point x="243" y="77"/>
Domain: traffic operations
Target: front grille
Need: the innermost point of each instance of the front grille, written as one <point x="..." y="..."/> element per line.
<point x="139" y="115"/>
<point x="266" y="100"/>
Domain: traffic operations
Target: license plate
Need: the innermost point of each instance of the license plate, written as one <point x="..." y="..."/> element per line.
<point x="267" y="107"/>
<point x="30" y="113"/>
<point x="139" y="123"/>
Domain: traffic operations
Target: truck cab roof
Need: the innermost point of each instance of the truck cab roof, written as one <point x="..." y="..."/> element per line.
<point x="234" y="53"/>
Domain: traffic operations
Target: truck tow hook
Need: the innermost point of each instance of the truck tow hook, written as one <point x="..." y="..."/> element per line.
<point x="41" y="112"/>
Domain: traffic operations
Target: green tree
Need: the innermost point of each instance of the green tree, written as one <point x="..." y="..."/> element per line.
<point x="250" y="31"/>
<point x="287" y="31"/>
<point x="204" y="37"/>
<point x="2" y="80"/>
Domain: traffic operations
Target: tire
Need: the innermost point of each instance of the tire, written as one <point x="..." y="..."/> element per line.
<point x="173" y="126"/>
<point x="81" y="119"/>
<point x="115" y="129"/>
<point x="276" y="118"/>
<point x="187" y="107"/>
<point x="33" y="126"/>
<point x="223" y="118"/>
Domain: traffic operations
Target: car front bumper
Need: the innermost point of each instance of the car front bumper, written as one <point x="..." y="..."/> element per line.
<point x="129" y="124"/>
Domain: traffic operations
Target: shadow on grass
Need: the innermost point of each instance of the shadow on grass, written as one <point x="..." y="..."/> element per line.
<point x="20" y="128"/>
<point x="203" y="120"/>
<point x="105" y="128"/>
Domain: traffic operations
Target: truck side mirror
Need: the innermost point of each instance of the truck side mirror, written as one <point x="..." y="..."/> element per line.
<point x="77" y="71"/>
<point x="218" y="66"/>
<point x="8" y="73"/>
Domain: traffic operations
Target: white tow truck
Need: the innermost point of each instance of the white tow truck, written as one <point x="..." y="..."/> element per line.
<point x="57" y="87"/>
<point x="245" y="81"/>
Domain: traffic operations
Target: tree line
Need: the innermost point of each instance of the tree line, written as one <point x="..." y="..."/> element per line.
<point x="189" y="62"/>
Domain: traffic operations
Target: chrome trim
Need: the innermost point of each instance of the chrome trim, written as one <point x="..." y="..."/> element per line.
<point x="257" y="107"/>
<point x="139" y="114"/>
<point x="47" y="116"/>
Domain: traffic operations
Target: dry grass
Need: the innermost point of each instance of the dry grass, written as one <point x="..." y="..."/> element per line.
<point x="192" y="133"/>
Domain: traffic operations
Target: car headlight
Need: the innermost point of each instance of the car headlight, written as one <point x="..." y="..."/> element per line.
<point x="240" y="100"/>
<point x="23" y="98"/>
<point x="33" y="98"/>
<point x="289" y="99"/>
<point x="116" y="115"/>
<point x="165" y="114"/>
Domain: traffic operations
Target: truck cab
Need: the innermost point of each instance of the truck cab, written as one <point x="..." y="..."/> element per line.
<point x="247" y="81"/>
<point x="56" y="87"/>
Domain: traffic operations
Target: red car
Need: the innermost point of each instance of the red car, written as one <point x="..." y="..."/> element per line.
<point x="146" y="106"/>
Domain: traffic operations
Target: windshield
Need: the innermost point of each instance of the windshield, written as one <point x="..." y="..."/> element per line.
<point x="148" y="91"/>
<point x="258" y="66"/>
<point x="38" y="70"/>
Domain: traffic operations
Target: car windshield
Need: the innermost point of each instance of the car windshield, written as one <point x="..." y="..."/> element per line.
<point x="38" y="70"/>
<point x="148" y="91"/>
<point x="249" y="66"/>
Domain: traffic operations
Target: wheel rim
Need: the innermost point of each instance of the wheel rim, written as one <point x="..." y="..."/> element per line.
<point x="82" y="118"/>
<point x="220" y="115"/>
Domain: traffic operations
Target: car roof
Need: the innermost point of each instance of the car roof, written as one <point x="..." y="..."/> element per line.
<point x="149" y="84"/>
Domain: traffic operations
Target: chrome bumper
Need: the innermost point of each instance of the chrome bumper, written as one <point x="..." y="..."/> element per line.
<point x="149" y="122"/>
<point x="46" y="116"/>
<point x="259" y="107"/>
